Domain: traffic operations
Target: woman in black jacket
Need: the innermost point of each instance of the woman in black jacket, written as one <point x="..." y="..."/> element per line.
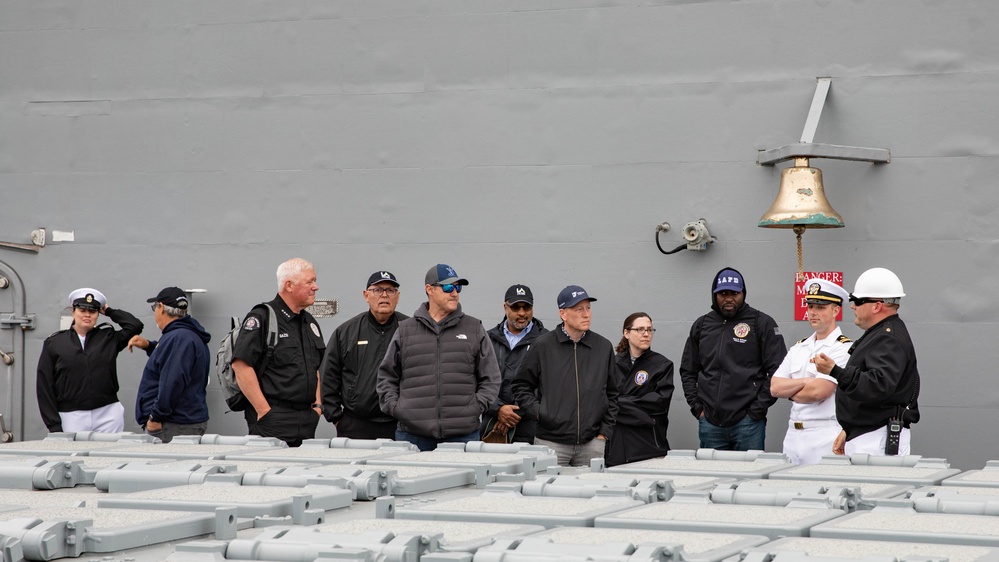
<point x="645" y="382"/>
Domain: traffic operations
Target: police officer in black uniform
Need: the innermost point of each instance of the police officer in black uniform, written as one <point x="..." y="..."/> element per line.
<point x="284" y="398"/>
<point x="877" y="390"/>
<point x="77" y="379"/>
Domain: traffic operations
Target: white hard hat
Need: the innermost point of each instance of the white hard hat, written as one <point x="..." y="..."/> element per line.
<point x="878" y="283"/>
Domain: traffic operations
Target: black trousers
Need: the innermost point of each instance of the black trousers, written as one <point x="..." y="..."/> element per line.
<point x="359" y="428"/>
<point x="289" y="425"/>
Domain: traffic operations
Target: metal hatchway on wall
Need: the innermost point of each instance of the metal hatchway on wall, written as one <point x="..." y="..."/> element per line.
<point x="14" y="320"/>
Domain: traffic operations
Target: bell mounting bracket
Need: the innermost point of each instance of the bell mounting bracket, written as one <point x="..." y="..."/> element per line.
<point x="805" y="148"/>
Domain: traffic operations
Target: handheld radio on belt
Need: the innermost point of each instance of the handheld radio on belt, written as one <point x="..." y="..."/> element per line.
<point x="894" y="434"/>
<point x="895" y="424"/>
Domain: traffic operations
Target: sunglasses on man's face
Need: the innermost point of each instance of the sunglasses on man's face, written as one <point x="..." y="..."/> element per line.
<point x="450" y="287"/>
<point x="862" y="301"/>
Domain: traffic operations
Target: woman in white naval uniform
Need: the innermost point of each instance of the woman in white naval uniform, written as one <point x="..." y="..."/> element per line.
<point x="813" y="426"/>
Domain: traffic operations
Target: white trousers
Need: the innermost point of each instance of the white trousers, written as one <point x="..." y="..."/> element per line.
<point x="873" y="443"/>
<point x="106" y="419"/>
<point x="809" y="445"/>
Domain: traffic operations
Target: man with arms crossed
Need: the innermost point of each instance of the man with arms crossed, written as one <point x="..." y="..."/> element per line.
<point x="813" y="427"/>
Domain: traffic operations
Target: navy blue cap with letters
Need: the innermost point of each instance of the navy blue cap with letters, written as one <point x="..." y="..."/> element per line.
<point x="573" y="295"/>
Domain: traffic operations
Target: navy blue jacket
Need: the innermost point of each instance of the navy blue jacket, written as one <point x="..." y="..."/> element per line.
<point x="174" y="380"/>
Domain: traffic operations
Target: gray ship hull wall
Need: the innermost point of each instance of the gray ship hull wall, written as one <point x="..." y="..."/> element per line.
<point x="200" y="144"/>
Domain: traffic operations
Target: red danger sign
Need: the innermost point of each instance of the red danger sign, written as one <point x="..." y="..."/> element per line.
<point x="800" y="291"/>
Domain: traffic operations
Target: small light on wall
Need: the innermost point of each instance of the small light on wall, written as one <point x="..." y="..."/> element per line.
<point x="695" y="233"/>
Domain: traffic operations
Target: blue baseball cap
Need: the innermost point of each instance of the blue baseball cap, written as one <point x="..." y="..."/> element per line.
<point x="573" y="295"/>
<point x="442" y="274"/>
<point x="729" y="280"/>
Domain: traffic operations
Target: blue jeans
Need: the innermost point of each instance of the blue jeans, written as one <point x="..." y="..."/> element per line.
<point x="745" y="435"/>
<point x="430" y="443"/>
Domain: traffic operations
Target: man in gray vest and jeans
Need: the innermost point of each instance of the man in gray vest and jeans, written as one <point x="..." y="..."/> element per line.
<point x="440" y="373"/>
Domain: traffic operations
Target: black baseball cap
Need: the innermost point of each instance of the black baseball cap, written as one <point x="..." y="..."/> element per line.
<point x="174" y="297"/>
<point x="381" y="276"/>
<point x="519" y="293"/>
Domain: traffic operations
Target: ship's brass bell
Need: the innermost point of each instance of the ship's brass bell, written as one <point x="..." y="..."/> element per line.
<point x="801" y="201"/>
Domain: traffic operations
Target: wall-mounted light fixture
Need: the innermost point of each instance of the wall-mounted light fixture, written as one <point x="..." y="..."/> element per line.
<point x="695" y="233"/>
<point x="801" y="200"/>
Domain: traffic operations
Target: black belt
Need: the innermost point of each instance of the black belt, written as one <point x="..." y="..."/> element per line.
<point x="290" y="405"/>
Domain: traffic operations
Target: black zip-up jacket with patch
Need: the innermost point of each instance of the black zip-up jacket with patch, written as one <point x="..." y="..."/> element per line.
<point x="438" y="378"/>
<point x="646" y="390"/>
<point x="569" y="387"/>
<point x="727" y="364"/>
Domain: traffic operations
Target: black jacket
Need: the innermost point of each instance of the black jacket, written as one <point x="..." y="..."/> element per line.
<point x="646" y="389"/>
<point x="879" y="379"/>
<point x="353" y="354"/>
<point x="509" y="363"/>
<point x="727" y="364"/>
<point x="437" y="379"/>
<point x="71" y="377"/>
<point x="569" y="387"/>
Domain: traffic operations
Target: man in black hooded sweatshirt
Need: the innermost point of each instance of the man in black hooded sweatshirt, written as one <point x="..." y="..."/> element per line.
<point x="727" y="362"/>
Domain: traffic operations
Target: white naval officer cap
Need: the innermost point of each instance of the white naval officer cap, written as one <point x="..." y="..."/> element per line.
<point x="88" y="298"/>
<point x="821" y="291"/>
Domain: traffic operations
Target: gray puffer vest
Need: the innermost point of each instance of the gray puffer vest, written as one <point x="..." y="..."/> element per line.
<point x="437" y="379"/>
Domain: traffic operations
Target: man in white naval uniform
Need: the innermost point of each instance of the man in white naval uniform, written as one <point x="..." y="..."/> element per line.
<point x="813" y="426"/>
